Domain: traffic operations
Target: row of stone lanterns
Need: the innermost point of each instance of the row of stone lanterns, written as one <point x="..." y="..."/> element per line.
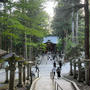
<point x="12" y="59"/>
<point x="83" y="73"/>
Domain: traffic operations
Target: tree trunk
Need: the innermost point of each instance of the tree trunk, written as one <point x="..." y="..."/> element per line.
<point x="73" y="26"/>
<point x="86" y="30"/>
<point x="0" y="40"/>
<point x="11" y="44"/>
<point x="30" y="51"/>
<point x="25" y="52"/>
<point x="87" y="55"/>
<point x="77" y="27"/>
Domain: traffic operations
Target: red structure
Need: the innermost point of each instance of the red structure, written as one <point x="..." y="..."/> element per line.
<point x="50" y="47"/>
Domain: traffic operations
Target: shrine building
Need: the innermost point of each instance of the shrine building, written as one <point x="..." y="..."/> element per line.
<point x="50" y="42"/>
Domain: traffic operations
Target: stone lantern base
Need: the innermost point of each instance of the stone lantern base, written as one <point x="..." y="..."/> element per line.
<point x="19" y="85"/>
<point x="87" y="72"/>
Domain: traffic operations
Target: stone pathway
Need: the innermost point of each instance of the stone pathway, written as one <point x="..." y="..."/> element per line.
<point x="44" y="83"/>
<point x="65" y="85"/>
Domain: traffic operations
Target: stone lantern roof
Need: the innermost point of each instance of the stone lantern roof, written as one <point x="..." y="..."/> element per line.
<point x="8" y="55"/>
<point x="2" y="52"/>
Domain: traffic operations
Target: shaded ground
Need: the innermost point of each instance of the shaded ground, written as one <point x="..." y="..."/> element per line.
<point x="81" y="85"/>
<point x="44" y="83"/>
<point x="65" y="85"/>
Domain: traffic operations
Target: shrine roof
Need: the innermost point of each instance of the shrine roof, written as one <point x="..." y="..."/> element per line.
<point x="8" y="55"/>
<point x="52" y="39"/>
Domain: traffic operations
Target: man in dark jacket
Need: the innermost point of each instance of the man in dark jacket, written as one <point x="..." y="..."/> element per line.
<point x="60" y="64"/>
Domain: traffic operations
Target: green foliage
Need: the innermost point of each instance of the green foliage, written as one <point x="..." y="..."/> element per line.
<point x="42" y="46"/>
<point x="32" y="44"/>
<point x="72" y="50"/>
<point x="59" y="45"/>
<point x="26" y="17"/>
<point x="1" y="60"/>
<point x="62" y="21"/>
<point x="61" y="25"/>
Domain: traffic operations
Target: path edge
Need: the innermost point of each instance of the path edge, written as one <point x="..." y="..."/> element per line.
<point x="33" y="84"/>
<point x="72" y="82"/>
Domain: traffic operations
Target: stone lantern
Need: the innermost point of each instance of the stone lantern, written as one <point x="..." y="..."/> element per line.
<point x="12" y="69"/>
<point x="20" y="66"/>
<point x="6" y="70"/>
<point x="28" y="71"/>
<point x="79" y="70"/>
<point x="71" y="72"/>
<point x="87" y="71"/>
<point x="30" y="63"/>
<point x="24" y="74"/>
<point x="12" y="58"/>
<point x="74" y="73"/>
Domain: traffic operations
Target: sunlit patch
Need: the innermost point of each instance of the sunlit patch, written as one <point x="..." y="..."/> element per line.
<point x="49" y="7"/>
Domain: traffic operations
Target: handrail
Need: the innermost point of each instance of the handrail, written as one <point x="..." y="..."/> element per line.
<point x="33" y="84"/>
<point x="57" y="85"/>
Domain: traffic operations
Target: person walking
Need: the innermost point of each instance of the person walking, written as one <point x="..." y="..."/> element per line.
<point x="52" y="74"/>
<point x="58" y="72"/>
<point x="54" y="70"/>
<point x="60" y="64"/>
<point x="37" y="69"/>
<point x="48" y="57"/>
<point x="54" y="57"/>
<point x="54" y="64"/>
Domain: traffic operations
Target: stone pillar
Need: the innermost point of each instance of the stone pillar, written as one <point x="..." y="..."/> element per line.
<point x="6" y="70"/>
<point x="30" y="76"/>
<point x="12" y="69"/>
<point x="24" y="75"/>
<point x="74" y="73"/>
<point x="79" y="70"/>
<point x="28" y="72"/>
<point x="20" y="83"/>
<point x="71" y="73"/>
<point x="12" y="77"/>
<point x="87" y="72"/>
